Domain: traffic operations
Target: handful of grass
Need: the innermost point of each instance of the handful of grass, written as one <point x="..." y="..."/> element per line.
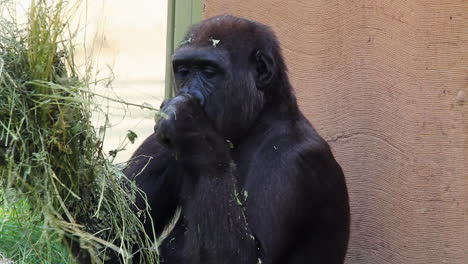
<point x="51" y="156"/>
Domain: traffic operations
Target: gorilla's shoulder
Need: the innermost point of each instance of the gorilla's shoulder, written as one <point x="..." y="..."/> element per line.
<point x="295" y="133"/>
<point x="291" y="139"/>
<point x="149" y="147"/>
<point x="150" y="156"/>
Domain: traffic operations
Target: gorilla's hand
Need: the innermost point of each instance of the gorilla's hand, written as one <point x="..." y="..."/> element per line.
<point x="187" y="131"/>
<point x="183" y="117"/>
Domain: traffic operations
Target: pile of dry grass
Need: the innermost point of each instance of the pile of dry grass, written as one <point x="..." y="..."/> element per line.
<point x="50" y="154"/>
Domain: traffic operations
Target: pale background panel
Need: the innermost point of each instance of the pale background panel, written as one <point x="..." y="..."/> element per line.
<point x="127" y="40"/>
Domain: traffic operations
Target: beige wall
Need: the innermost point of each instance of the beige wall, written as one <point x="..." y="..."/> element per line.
<point x="386" y="83"/>
<point x="127" y="39"/>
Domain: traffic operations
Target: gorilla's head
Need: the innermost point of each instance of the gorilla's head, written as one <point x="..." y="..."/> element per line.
<point x="234" y="67"/>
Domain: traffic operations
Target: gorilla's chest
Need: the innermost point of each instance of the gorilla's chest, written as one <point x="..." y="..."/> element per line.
<point x="254" y="162"/>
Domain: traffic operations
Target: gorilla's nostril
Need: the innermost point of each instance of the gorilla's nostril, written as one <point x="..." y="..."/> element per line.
<point x="199" y="96"/>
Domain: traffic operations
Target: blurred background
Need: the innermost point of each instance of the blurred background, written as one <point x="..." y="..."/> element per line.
<point x="127" y="42"/>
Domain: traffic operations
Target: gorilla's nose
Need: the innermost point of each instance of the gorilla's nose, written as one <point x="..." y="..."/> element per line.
<point x="195" y="93"/>
<point x="199" y="96"/>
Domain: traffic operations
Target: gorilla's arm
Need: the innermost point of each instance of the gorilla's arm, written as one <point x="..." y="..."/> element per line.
<point x="208" y="186"/>
<point x="153" y="169"/>
<point x="296" y="213"/>
<point x="212" y="210"/>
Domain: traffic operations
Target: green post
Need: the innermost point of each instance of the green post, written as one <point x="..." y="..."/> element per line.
<point x="181" y="15"/>
<point x="168" y="91"/>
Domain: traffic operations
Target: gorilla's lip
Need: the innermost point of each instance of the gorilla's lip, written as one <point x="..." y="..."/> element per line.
<point x="179" y="99"/>
<point x="192" y="93"/>
<point x="171" y="107"/>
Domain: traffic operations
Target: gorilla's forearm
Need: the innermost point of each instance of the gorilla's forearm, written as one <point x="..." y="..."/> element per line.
<point x="209" y="201"/>
<point x="208" y="186"/>
<point x="212" y="209"/>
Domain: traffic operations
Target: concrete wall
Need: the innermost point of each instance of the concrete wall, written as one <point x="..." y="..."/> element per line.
<point x="386" y="83"/>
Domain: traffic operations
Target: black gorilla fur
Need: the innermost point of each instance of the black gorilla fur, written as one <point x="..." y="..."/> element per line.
<point x="252" y="178"/>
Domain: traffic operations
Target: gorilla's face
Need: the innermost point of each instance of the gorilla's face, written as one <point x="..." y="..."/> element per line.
<point x="225" y="84"/>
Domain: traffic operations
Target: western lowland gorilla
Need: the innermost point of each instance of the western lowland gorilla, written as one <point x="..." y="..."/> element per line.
<point x="235" y="168"/>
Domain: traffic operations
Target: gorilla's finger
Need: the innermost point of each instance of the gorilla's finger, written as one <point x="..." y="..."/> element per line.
<point x="163" y="133"/>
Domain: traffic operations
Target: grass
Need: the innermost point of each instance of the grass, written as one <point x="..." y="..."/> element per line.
<point x="20" y="237"/>
<point x="57" y="185"/>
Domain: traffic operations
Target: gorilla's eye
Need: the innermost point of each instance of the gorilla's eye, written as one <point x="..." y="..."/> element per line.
<point x="209" y="71"/>
<point x="182" y="70"/>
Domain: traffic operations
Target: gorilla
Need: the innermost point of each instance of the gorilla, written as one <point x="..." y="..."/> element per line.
<point x="234" y="170"/>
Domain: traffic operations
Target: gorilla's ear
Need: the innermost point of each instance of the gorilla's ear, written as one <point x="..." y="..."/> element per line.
<point x="265" y="68"/>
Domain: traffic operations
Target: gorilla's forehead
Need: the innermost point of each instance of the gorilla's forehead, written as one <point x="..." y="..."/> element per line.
<point x="224" y="31"/>
<point x="227" y="38"/>
<point x="190" y="53"/>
